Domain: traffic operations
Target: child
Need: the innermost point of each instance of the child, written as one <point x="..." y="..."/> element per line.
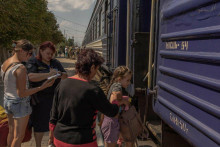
<point x="110" y="126"/>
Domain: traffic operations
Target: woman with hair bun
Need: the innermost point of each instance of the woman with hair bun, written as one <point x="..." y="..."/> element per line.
<point x="40" y="68"/>
<point x="16" y="93"/>
<point x="76" y="103"/>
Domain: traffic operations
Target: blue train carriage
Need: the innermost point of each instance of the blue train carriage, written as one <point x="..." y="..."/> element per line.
<point x="137" y="53"/>
<point x="96" y="33"/>
<point x="138" y="32"/>
<point x="106" y="32"/>
<point x="116" y="33"/>
<point x="186" y="79"/>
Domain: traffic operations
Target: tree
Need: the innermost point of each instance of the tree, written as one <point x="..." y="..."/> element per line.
<point x="27" y="19"/>
<point x="70" y="42"/>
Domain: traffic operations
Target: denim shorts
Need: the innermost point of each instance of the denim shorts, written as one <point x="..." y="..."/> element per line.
<point x="19" y="107"/>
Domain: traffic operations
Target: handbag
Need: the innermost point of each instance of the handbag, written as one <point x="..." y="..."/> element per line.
<point x="131" y="125"/>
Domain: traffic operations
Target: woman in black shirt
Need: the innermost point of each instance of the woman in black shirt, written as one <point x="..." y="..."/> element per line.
<point x="39" y="69"/>
<point x="75" y="105"/>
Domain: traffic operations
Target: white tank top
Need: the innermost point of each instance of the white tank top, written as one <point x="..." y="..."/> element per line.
<point x="10" y="87"/>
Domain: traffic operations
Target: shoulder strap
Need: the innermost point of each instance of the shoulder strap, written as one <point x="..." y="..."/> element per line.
<point x="12" y="64"/>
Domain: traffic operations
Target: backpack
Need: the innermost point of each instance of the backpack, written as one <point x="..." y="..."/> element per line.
<point x="131" y="125"/>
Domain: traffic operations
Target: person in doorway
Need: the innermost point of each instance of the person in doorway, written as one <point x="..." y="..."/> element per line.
<point x="16" y="93"/>
<point x="75" y="105"/>
<point x="39" y="69"/>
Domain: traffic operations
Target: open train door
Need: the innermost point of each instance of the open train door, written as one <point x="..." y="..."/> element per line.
<point x="187" y="71"/>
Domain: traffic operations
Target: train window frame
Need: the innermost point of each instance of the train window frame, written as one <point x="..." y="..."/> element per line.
<point x="100" y="23"/>
<point x="155" y="46"/>
<point x="106" y="19"/>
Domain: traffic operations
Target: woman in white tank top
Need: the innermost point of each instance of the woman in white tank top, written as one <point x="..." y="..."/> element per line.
<point x="16" y="92"/>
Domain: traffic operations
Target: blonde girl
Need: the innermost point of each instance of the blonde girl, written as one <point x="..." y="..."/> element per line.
<point x="110" y="127"/>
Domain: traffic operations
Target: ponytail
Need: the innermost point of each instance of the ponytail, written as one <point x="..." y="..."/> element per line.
<point x="119" y="72"/>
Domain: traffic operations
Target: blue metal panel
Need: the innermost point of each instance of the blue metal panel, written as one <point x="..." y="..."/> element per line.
<point x="122" y="32"/>
<point x="174" y="7"/>
<point x="188" y="71"/>
<point x="145" y="14"/>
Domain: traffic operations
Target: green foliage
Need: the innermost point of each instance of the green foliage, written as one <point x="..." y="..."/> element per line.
<point x="27" y="19"/>
<point x="70" y="42"/>
<point x="61" y="46"/>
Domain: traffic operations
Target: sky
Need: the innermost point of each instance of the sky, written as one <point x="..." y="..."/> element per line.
<point x="72" y="16"/>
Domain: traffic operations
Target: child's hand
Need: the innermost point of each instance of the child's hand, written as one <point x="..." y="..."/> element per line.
<point x="125" y="97"/>
<point x="51" y="137"/>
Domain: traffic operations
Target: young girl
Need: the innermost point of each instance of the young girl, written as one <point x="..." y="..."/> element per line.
<point x="110" y="126"/>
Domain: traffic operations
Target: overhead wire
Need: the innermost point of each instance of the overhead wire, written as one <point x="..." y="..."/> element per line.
<point x="78" y="24"/>
<point x="81" y="25"/>
<point x="73" y="29"/>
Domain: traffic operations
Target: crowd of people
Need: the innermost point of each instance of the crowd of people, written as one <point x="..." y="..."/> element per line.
<point x="68" y="52"/>
<point x="39" y="93"/>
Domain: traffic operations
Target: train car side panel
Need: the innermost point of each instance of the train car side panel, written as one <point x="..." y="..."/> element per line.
<point x="188" y="70"/>
<point x="122" y="33"/>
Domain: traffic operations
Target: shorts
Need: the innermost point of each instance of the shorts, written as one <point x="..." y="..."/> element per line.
<point x="110" y="129"/>
<point x="19" y="107"/>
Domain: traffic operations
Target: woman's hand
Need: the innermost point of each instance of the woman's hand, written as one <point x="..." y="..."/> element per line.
<point x="116" y="95"/>
<point x="59" y="72"/>
<point x="52" y="72"/>
<point x="47" y="83"/>
<point x="50" y="141"/>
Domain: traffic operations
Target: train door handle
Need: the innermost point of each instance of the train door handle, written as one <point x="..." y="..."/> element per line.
<point x="153" y="92"/>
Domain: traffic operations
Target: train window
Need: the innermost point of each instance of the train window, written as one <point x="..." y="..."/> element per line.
<point x="90" y="37"/>
<point x="106" y="13"/>
<point x="93" y="32"/>
<point x="96" y="30"/>
<point x="114" y="3"/>
<point x="100" y="22"/>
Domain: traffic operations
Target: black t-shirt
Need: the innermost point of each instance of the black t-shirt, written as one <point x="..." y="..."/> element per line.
<point x="37" y="66"/>
<point x="74" y="111"/>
